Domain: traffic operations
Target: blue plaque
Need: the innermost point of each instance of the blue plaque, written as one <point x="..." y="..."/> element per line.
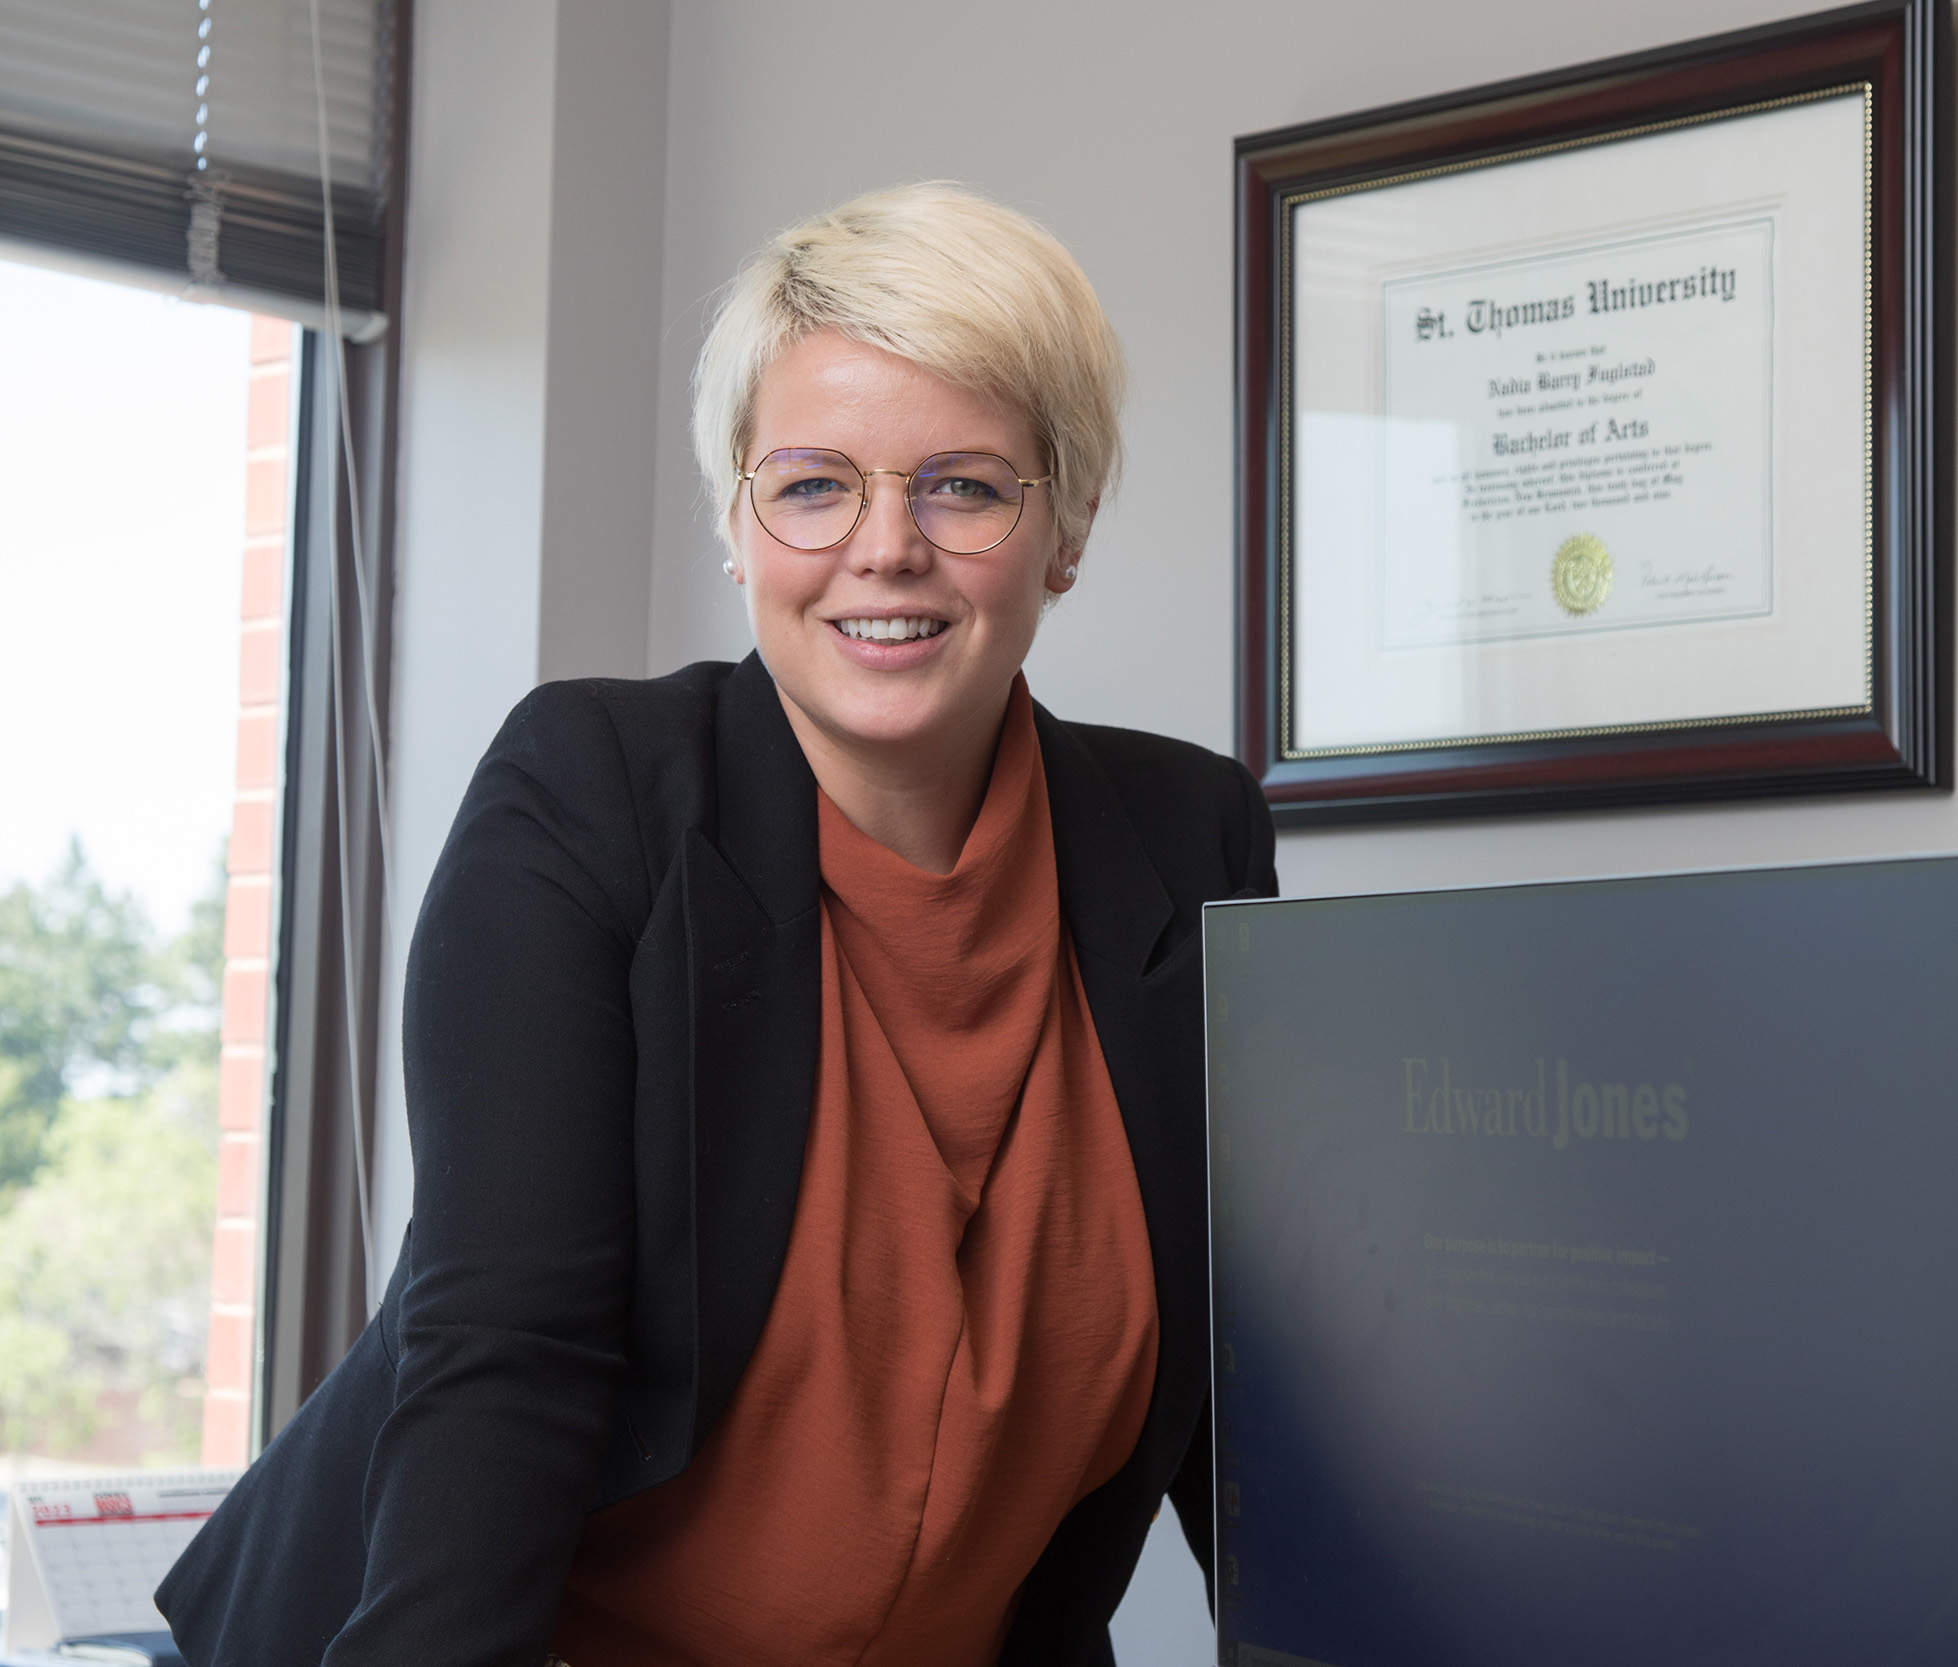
<point x="1586" y="1273"/>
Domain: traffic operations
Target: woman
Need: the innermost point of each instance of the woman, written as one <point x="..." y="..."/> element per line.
<point x="804" y="1065"/>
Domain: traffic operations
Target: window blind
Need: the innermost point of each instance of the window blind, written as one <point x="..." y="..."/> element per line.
<point x="180" y="139"/>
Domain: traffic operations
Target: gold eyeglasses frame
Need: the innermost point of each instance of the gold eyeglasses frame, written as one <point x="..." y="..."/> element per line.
<point x="747" y="477"/>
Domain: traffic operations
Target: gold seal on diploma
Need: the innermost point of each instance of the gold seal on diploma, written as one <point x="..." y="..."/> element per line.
<point x="1580" y="574"/>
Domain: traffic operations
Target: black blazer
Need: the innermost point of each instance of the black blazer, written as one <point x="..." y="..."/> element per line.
<point x="610" y="1029"/>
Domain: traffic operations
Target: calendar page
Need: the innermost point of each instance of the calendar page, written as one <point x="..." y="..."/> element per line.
<point x="87" y="1552"/>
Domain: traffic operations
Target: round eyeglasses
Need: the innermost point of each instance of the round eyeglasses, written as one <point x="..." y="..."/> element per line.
<point x="964" y="502"/>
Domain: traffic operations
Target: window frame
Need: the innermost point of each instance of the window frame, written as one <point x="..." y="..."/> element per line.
<point x="314" y="1273"/>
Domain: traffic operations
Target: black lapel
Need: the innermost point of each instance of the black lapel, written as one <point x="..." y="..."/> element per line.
<point x="753" y="948"/>
<point x="1114" y="901"/>
<point x="1147" y="1001"/>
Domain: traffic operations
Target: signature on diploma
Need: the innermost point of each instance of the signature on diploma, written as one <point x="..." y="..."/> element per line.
<point x="1708" y="580"/>
<point x="1488" y="604"/>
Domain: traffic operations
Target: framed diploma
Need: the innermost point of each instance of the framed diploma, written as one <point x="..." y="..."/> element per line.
<point x="1593" y="433"/>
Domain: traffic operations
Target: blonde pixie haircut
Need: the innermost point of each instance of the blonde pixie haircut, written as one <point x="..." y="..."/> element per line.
<point x="956" y="283"/>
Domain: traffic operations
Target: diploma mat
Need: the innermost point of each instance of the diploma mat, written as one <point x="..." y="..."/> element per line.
<point x="1584" y="1263"/>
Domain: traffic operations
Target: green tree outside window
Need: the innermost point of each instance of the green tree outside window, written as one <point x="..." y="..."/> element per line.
<point x="108" y="1163"/>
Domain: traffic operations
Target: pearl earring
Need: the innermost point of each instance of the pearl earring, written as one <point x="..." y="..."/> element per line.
<point x="1070" y="573"/>
<point x="727" y="567"/>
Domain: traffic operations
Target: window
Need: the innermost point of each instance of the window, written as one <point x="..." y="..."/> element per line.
<point x="144" y="490"/>
<point x="194" y="605"/>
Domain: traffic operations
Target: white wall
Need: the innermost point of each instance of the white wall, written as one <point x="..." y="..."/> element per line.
<point x="606" y="232"/>
<point x="589" y="168"/>
<point x="537" y="147"/>
<point x="470" y="508"/>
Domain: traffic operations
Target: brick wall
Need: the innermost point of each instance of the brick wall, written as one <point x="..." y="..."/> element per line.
<point x="230" y="1363"/>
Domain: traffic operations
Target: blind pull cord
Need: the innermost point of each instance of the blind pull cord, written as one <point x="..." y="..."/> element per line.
<point x="356" y="540"/>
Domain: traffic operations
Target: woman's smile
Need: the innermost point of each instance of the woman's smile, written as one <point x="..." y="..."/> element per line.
<point x="880" y="641"/>
<point x="877" y="628"/>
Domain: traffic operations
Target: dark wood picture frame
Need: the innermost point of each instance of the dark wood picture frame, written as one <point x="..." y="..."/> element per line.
<point x="1900" y="48"/>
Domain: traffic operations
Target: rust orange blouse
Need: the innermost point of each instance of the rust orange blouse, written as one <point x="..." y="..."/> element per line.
<point x="963" y="1342"/>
